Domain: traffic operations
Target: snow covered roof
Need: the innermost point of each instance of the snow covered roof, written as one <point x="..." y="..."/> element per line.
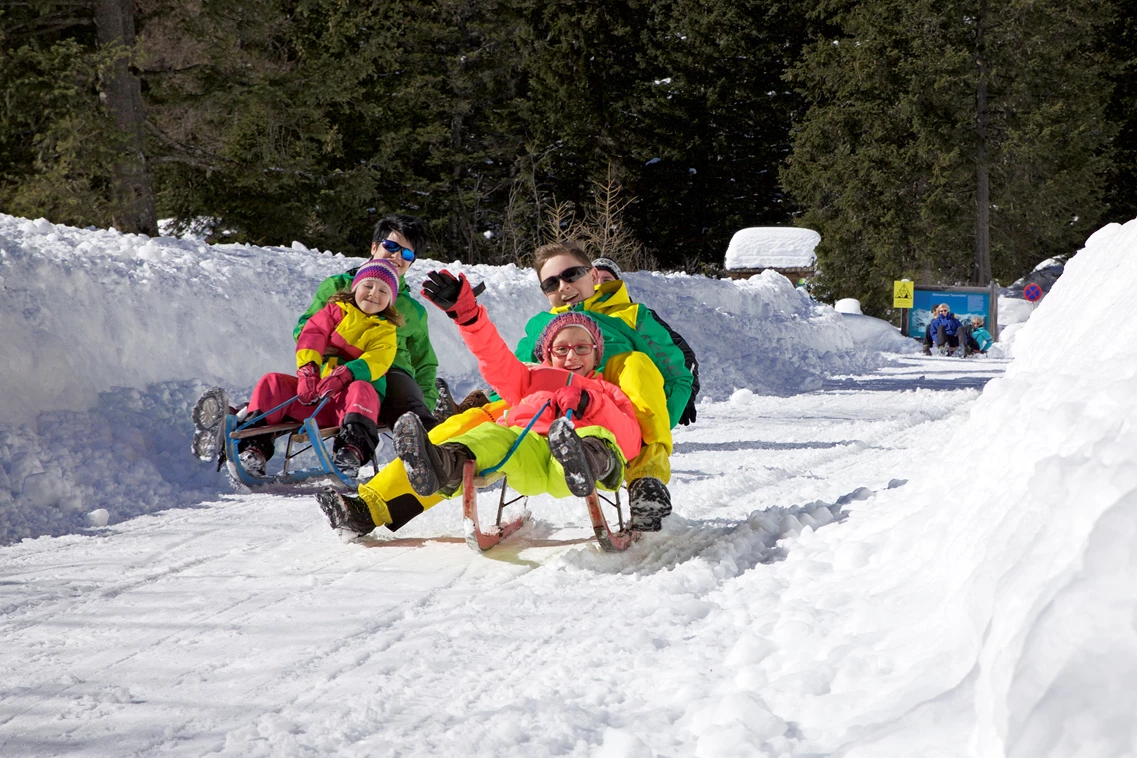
<point x="771" y="247"/>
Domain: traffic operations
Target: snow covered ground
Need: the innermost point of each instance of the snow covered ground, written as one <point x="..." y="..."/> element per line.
<point x="870" y="556"/>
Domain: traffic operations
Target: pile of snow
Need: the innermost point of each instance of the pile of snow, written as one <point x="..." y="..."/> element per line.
<point x="848" y="305"/>
<point x="877" y="334"/>
<point x="771" y="247"/>
<point x="1011" y="588"/>
<point x="110" y="337"/>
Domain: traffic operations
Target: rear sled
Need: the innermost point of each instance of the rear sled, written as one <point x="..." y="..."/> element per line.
<point x="484" y="539"/>
<point x="301" y="438"/>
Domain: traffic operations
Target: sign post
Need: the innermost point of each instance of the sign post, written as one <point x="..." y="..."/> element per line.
<point x="903" y="292"/>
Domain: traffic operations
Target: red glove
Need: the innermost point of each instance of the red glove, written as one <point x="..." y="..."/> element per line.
<point x="309" y="376"/>
<point x="335" y="382"/>
<point x="453" y="295"/>
<point x="572" y="399"/>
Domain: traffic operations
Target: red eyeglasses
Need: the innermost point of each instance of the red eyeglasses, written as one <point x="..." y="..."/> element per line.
<point x="562" y="351"/>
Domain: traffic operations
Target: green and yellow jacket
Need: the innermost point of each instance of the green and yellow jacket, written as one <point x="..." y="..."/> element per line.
<point x="626" y="326"/>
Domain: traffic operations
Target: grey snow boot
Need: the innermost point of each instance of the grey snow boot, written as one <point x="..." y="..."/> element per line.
<point x="350" y="515"/>
<point x="648" y="503"/>
<point x="430" y="467"/>
<point x="209" y="423"/>
<point x="585" y="461"/>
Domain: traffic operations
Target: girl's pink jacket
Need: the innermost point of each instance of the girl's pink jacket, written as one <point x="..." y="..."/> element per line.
<point x="526" y="388"/>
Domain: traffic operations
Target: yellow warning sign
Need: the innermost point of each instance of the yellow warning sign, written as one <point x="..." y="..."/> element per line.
<point x="902" y="294"/>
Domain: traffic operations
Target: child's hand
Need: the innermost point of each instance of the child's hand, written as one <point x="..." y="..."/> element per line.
<point x="335" y="382"/>
<point x="309" y="376"/>
<point x="453" y="295"/>
<point x="572" y="399"/>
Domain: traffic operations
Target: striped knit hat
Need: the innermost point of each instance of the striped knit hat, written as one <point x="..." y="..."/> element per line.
<point x="382" y="270"/>
<point x="563" y="321"/>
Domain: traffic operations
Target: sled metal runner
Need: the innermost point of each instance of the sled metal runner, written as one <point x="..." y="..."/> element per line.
<point x="482" y="540"/>
<point x="305" y="434"/>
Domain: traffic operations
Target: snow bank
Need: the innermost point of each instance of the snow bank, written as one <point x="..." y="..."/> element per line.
<point x="109" y="338"/>
<point x="878" y="334"/>
<point x="1005" y="576"/>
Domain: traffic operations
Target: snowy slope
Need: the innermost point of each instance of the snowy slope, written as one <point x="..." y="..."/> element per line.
<point x="925" y="559"/>
<point x="111" y="337"/>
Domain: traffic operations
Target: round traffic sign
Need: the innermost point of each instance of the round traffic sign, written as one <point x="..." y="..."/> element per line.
<point x="1032" y="292"/>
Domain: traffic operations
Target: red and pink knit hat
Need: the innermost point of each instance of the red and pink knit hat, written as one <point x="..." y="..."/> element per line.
<point x="382" y="270"/>
<point x="563" y="321"/>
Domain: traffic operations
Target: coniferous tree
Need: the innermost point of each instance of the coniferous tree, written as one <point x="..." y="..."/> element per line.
<point x="914" y="105"/>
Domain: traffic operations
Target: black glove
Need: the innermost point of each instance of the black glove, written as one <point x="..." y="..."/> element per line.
<point x="688" y="416"/>
<point x="453" y="295"/>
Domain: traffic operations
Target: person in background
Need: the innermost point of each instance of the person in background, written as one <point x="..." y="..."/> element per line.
<point x="944" y="329"/>
<point x="607" y="270"/>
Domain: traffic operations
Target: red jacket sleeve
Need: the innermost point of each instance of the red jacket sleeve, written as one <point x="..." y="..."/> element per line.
<point x="610" y="408"/>
<point x="499" y="366"/>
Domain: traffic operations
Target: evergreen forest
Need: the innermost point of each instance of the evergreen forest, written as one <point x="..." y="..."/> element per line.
<point x="956" y="141"/>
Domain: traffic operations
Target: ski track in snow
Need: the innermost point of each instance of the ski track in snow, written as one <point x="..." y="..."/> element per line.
<point x="246" y="628"/>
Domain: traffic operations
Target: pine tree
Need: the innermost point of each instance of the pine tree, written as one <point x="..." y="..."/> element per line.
<point x="892" y="157"/>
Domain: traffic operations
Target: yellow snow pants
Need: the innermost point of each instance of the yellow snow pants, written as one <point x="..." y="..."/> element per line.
<point x="531" y="470"/>
<point x="389" y="495"/>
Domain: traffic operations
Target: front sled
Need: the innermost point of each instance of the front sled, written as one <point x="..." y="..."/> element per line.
<point x="301" y="438"/>
<point x="475" y="536"/>
<point x="482" y="540"/>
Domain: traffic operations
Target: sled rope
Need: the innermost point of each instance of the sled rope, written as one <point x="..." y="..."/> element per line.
<point x="517" y="442"/>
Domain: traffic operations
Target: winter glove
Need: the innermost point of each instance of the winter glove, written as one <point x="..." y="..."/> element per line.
<point x="453" y="295"/>
<point x="309" y="376"/>
<point x="688" y="416"/>
<point x="572" y="399"/>
<point x="335" y="382"/>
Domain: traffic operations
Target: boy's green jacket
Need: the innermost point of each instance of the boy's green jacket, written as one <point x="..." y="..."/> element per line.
<point x="626" y="326"/>
<point x="415" y="355"/>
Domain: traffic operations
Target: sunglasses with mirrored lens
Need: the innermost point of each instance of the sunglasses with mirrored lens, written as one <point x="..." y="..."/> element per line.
<point x="568" y="276"/>
<point x="563" y="350"/>
<point x="394" y="247"/>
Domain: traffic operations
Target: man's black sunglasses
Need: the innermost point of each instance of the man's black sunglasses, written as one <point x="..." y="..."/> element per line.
<point x="569" y="275"/>
<point x="394" y="247"/>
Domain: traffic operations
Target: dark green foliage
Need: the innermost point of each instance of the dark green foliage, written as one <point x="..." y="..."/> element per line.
<point x="275" y="120"/>
<point x="57" y="142"/>
<point x="885" y="161"/>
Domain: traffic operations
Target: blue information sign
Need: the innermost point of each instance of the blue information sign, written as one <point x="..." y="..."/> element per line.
<point x="964" y="302"/>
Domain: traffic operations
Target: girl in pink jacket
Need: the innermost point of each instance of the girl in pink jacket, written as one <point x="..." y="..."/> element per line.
<point x="342" y="354"/>
<point x="552" y="457"/>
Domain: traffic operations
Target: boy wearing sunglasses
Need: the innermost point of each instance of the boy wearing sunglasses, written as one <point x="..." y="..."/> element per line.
<point x="411" y="378"/>
<point x="641" y="358"/>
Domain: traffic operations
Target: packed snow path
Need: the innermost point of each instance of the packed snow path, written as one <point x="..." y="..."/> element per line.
<point x="244" y="627"/>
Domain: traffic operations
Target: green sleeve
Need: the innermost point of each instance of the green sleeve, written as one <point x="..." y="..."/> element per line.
<point x="324" y="292"/>
<point x="422" y="363"/>
<point x="669" y="358"/>
<point x="528" y="344"/>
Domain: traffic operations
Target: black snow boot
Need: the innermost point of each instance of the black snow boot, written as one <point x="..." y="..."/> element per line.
<point x="585" y="461"/>
<point x="648" y="502"/>
<point x="209" y="423"/>
<point x="355" y="443"/>
<point x="254" y="453"/>
<point x="346" y="513"/>
<point x="430" y="467"/>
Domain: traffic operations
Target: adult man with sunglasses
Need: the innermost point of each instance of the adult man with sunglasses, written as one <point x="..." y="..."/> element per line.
<point x="642" y="359"/>
<point x="411" y="378"/>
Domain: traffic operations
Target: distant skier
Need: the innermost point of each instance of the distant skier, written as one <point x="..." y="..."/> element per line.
<point x="343" y="353"/>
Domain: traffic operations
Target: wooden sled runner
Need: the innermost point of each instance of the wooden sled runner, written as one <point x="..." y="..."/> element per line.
<point x="484" y="539"/>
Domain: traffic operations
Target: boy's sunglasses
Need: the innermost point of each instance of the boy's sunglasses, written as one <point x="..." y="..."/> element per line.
<point x="562" y="351"/>
<point x="569" y="275"/>
<point x="394" y="247"/>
